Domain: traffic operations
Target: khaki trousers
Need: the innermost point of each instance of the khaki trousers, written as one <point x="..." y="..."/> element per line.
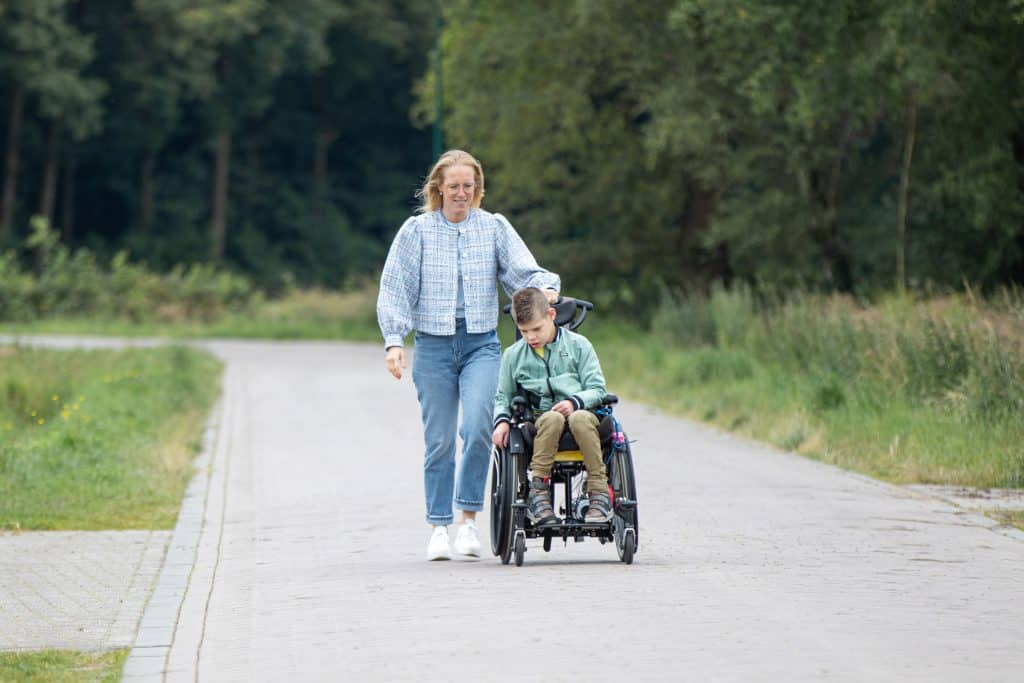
<point x="583" y="425"/>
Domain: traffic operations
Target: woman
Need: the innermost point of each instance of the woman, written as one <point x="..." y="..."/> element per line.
<point x="440" y="279"/>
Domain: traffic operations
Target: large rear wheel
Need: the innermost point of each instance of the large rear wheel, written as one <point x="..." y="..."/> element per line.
<point x="501" y="503"/>
<point x="625" y="522"/>
<point x="508" y="484"/>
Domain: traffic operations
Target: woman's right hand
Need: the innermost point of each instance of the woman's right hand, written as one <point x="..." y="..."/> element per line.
<point x="395" y="361"/>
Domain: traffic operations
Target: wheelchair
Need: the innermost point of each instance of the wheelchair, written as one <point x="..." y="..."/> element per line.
<point x="510" y="479"/>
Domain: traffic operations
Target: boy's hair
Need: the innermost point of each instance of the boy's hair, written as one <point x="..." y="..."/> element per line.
<point x="528" y="304"/>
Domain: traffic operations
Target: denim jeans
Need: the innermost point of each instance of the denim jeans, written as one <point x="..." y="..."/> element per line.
<point x="447" y="370"/>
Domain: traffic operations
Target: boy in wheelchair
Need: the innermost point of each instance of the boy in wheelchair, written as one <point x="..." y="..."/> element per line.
<point x="562" y="377"/>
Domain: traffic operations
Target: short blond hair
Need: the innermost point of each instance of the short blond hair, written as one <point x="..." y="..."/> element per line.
<point x="430" y="193"/>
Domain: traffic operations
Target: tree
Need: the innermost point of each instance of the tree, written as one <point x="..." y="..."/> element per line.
<point x="45" y="56"/>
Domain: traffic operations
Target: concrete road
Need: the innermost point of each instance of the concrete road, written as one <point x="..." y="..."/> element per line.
<point x="754" y="565"/>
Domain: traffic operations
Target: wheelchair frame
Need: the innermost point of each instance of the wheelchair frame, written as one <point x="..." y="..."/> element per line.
<point x="510" y="526"/>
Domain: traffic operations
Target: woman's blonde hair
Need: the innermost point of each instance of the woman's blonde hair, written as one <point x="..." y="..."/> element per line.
<point x="430" y="193"/>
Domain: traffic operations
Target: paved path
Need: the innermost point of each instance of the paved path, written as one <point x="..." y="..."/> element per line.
<point x="753" y="565"/>
<point x="76" y="590"/>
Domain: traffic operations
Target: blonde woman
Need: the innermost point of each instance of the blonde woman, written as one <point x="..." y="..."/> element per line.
<point x="440" y="279"/>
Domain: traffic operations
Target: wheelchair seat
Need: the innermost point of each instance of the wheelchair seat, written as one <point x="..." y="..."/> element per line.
<point x="568" y="449"/>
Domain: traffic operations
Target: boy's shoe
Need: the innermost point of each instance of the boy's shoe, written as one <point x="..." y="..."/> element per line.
<point x="538" y="504"/>
<point x="600" y="509"/>
<point x="466" y="541"/>
<point x="438" y="547"/>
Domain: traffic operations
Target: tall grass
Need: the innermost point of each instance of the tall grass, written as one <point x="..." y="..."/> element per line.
<point x="99" y="439"/>
<point x="909" y="389"/>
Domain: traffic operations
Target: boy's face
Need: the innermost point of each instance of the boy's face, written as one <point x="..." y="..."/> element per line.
<point x="540" y="330"/>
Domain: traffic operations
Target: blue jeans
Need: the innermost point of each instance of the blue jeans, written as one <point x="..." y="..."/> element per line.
<point x="446" y="370"/>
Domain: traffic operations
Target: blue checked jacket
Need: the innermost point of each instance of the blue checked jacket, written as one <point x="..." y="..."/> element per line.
<point x="419" y="284"/>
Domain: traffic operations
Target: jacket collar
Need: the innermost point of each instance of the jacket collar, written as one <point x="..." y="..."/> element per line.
<point x="558" y="336"/>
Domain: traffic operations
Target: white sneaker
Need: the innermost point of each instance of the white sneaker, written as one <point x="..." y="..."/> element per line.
<point x="438" y="548"/>
<point x="466" y="541"/>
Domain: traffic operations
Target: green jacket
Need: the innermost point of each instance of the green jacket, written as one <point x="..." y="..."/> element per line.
<point x="568" y="370"/>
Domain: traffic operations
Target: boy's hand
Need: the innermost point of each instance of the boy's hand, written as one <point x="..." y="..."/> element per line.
<point x="500" y="436"/>
<point x="395" y="361"/>
<point x="564" y="408"/>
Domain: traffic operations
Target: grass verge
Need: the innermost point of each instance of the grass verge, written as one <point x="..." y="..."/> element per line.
<point x="302" y="314"/>
<point x="100" y="439"/>
<point x="928" y="391"/>
<point x="62" y="666"/>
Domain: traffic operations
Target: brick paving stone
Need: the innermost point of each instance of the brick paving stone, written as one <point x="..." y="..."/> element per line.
<point x="77" y="590"/>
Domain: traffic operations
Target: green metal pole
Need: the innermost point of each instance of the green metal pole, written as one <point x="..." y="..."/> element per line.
<point x="438" y="89"/>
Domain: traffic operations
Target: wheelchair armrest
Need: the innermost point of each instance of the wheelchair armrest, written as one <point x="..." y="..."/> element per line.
<point x="610" y="400"/>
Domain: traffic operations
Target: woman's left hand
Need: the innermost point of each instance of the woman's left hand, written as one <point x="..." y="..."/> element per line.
<point x="552" y="296"/>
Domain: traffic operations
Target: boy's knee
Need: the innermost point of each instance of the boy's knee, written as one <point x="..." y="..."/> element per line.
<point x="550" y="420"/>
<point x="582" y="418"/>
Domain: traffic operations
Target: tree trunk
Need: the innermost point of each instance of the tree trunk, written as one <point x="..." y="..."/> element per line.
<point x="147" y="188"/>
<point x="48" y="197"/>
<point x="322" y="146"/>
<point x="67" y="221"/>
<point x="700" y="207"/>
<point x="908" y="155"/>
<point x="11" y="162"/>
<point x="835" y="246"/>
<point x="218" y="226"/>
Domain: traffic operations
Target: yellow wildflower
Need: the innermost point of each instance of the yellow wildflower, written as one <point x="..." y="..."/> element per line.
<point x="55" y="398"/>
<point x="42" y="421"/>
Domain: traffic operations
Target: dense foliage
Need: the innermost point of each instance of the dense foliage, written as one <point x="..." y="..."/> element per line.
<point x="65" y="284"/>
<point x="855" y="145"/>
<point x="270" y="136"/>
<point x="851" y="145"/>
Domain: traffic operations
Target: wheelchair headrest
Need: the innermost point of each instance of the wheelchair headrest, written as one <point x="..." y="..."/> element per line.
<point x="569" y="312"/>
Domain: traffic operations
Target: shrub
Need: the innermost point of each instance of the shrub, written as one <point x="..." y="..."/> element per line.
<point x="76" y="283"/>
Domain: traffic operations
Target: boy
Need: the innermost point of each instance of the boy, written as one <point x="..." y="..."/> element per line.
<point x="562" y="376"/>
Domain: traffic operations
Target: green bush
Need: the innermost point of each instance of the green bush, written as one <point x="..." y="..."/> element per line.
<point x="75" y="283"/>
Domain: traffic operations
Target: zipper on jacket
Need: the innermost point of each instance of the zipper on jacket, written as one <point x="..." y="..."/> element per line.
<point x="547" y="366"/>
<point x="551" y="389"/>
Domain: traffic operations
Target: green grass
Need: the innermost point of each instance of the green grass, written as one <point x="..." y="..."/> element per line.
<point x="100" y="439"/>
<point x="921" y="392"/>
<point x="62" y="666"/>
<point x="303" y="314"/>
<point x="1008" y="517"/>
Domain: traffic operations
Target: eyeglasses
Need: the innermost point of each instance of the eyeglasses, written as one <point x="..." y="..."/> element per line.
<point x="454" y="187"/>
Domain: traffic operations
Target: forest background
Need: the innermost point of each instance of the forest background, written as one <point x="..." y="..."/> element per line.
<point x="855" y="146"/>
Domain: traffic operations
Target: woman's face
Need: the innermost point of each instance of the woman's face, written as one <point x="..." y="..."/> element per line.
<point x="457" y="187"/>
